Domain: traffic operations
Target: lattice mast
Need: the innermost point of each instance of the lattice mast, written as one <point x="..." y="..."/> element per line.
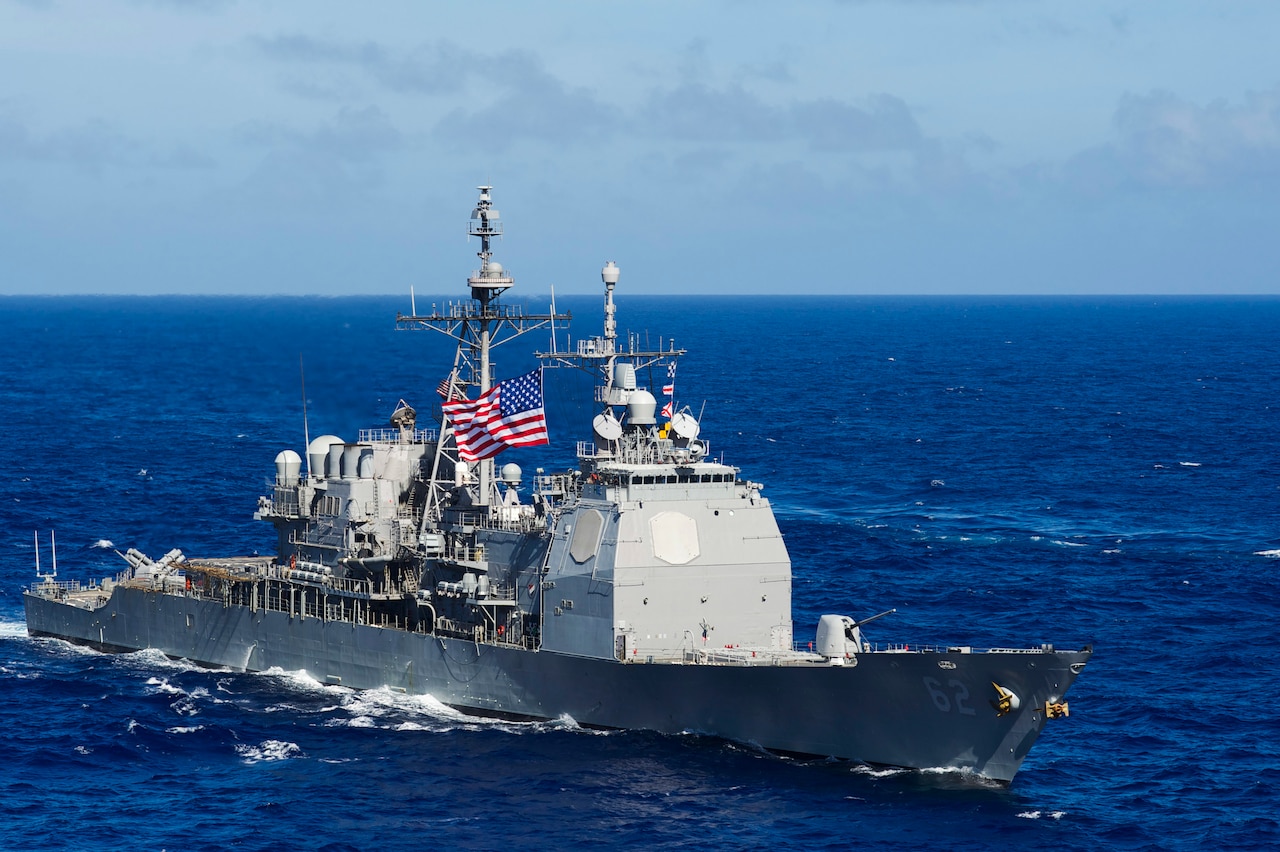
<point x="600" y="354"/>
<point x="478" y="325"/>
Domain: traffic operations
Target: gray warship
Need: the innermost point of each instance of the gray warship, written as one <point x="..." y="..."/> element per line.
<point x="647" y="588"/>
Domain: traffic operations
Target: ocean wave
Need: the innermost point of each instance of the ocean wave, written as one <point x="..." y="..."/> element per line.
<point x="877" y="771"/>
<point x="152" y="658"/>
<point x="354" y="722"/>
<point x="104" y="543"/>
<point x="1269" y="554"/>
<point x="269" y="750"/>
<point x="162" y="686"/>
<point x="1039" y="814"/>
<point x="13" y="629"/>
<point x="300" y="679"/>
<point x="384" y="700"/>
<point x="388" y="709"/>
<point x="191" y="729"/>
<point x="562" y="722"/>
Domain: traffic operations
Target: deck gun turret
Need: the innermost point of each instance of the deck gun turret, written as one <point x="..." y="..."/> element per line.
<point x="839" y="637"/>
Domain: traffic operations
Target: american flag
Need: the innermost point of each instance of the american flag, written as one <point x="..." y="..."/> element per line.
<point x="510" y="414"/>
<point x="449" y="389"/>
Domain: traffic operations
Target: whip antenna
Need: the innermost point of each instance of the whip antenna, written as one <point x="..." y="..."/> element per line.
<point x="306" y="429"/>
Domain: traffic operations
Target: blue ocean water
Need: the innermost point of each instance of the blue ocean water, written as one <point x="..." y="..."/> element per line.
<point x="1002" y="471"/>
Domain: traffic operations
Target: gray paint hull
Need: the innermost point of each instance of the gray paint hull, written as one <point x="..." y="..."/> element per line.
<point x="916" y="710"/>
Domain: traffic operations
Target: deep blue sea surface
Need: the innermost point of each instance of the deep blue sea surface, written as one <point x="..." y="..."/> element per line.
<point x="1002" y="471"/>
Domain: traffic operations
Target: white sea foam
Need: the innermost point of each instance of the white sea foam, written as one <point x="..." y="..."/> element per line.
<point x="300" y="679"/>
<point x="411" y="726"/>
<point x="377" y="702"/>
<point x="104" y="543"/>
<point x="1039" y="814"/>
<point x="1189" y="464"/>
<point x="1270" y="554"/>
<point x="184" y="730"/>
<point x="386" y="708"/>
<point x="162" y="685"/>
<point x="13" y="629"/>
<point x="153" y="659"/>
<point x="877" y="772"/>
<point x="268" y="750"/>
<point x="1068" y="543"/>
<point x="564" y="721"/>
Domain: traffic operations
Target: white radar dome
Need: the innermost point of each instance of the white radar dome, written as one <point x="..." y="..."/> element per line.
<point x="288" y="466"/>
<point x="318" y="453"/>
<point x="640" y="408"/>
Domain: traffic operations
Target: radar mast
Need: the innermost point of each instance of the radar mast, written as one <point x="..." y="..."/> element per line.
<point x="478" y="325"/>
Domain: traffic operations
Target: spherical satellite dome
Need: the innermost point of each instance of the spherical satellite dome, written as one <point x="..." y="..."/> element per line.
<point x="640" y="408"/>
<point x="288" y="466"/>
<point x="318" y="453"/>
<point x="321" y="444"/>
<point x="288" y="457"/>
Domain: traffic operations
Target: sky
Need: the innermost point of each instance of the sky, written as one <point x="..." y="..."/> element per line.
<point x="881" y="147"/>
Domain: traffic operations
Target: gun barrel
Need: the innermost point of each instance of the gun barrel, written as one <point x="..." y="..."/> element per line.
<point x="874" y="617"/>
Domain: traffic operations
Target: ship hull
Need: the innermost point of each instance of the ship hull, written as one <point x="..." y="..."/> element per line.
<point x="917" y="710"/>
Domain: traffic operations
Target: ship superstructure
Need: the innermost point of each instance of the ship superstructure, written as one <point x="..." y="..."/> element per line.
<point x="647" y="587"/>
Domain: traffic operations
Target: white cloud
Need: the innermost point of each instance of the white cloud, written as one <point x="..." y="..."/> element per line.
<point x="1162" y="140"/>
<point x="198" y="6"/>
<point x="353" y="134"/>
<point x="515" y="97"/>
<point x="700" y="113"/>
<point x="89" y="146"/>
<point x="431" y="69"/>
<point x="884" y="124"/>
